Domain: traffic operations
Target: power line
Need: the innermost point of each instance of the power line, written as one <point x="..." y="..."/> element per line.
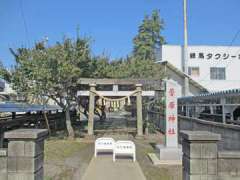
<point x="24" y="22"/>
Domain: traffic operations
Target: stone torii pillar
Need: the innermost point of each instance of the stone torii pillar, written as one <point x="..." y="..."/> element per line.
<point x="91" y="109"/>
<point x="139" y="110"/>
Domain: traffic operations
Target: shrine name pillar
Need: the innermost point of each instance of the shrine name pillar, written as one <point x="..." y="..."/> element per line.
<point x="91" y="109"/>
<point x="139" y="110"/>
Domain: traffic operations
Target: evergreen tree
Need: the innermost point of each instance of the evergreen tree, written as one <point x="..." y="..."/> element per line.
<point x="149" y="37"/>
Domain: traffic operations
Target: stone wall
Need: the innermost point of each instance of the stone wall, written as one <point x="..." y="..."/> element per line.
<point x="230" y="133"/>
<point x="229" y="165"/>
<point x="3" y="164"/>
<point x="23" y="159"/>
<point x="202" y="160"/>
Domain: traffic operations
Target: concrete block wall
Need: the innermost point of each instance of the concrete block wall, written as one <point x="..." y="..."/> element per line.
<point x="203" y="161"/>
<point x="23" y="159"/>
<point x="230" y="133"/>
<point x="3" y="164"/>
<point x="229" y="165"/>
<point x="199" y="155"/>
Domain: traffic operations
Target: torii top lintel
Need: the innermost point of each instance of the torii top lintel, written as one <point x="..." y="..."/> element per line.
<point x="146" y="83"/>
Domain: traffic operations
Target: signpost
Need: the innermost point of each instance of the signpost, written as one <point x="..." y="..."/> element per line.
<point x="171" y="137"/>
<point x="169" y="153"/>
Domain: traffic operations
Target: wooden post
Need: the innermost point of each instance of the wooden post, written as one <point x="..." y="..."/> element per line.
<point x="91" y="109"/>
<point x="1" y="137"/>
<point x="147" y="122"/>
<point x="139" y="110"/>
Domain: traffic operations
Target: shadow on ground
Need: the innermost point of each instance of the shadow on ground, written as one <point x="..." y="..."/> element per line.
<point x="68" y="160"/>
<point x="152" y="172"/>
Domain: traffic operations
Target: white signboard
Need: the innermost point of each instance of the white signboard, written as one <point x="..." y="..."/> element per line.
<point x="171" y="136"/>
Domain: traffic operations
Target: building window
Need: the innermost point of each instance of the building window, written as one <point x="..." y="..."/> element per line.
<point x="201" y="55"/>
<point x="192" y="55"/>
<point x="217" y="73"/>
<point x="193" y="71"/>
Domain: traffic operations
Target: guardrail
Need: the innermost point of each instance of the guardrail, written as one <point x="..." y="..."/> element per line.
<point x="31" y="121"/>
<point x="22" y="119"/>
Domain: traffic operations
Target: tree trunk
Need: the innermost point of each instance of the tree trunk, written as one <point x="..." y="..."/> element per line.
<point x="69" y="125"/>
<point x="47" y="122"/>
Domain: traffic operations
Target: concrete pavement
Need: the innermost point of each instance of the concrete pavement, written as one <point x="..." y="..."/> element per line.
<point x="103" y="168"/>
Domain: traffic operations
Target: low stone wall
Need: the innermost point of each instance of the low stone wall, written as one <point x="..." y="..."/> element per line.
<point x="202" y="160"/>
<point x="23" y="159"/>
<point x="229" y="165"/>
<point x="3" y="164"/>
<point x="230" y="133"/>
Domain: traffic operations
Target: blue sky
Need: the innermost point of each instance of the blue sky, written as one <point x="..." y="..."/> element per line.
<point x="112" y="24"/>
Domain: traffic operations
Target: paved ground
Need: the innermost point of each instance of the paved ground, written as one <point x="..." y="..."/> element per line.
<point x="73" y="160"/>
<point x="103" y="168"/>
<point x="116" y="120"/>
<point x="69" y="160"/>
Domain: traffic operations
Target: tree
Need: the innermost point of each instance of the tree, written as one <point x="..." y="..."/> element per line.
<point x="4" y="73"/>
<point x="135" y="68"/>
<point x="53" y="72"/>
<point x="100" y="67"/>
<point x="149" y="37"/>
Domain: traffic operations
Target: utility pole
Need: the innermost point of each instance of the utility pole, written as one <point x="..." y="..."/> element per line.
<point x="185" y="51"/>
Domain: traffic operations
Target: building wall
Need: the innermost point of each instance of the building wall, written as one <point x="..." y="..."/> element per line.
<point x="180" y="81"/>
<point x="2" y="85"/>
<point x="206" y="57"/>
<point x="173" y="54"/>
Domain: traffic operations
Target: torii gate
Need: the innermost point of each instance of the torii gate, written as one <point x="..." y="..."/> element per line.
<point x="138" y="92"/>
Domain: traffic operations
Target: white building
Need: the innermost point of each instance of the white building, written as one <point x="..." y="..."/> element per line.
<point x="6" y="91"/>
<point x="178" y="76"/>
<point x="214" y="67"/>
